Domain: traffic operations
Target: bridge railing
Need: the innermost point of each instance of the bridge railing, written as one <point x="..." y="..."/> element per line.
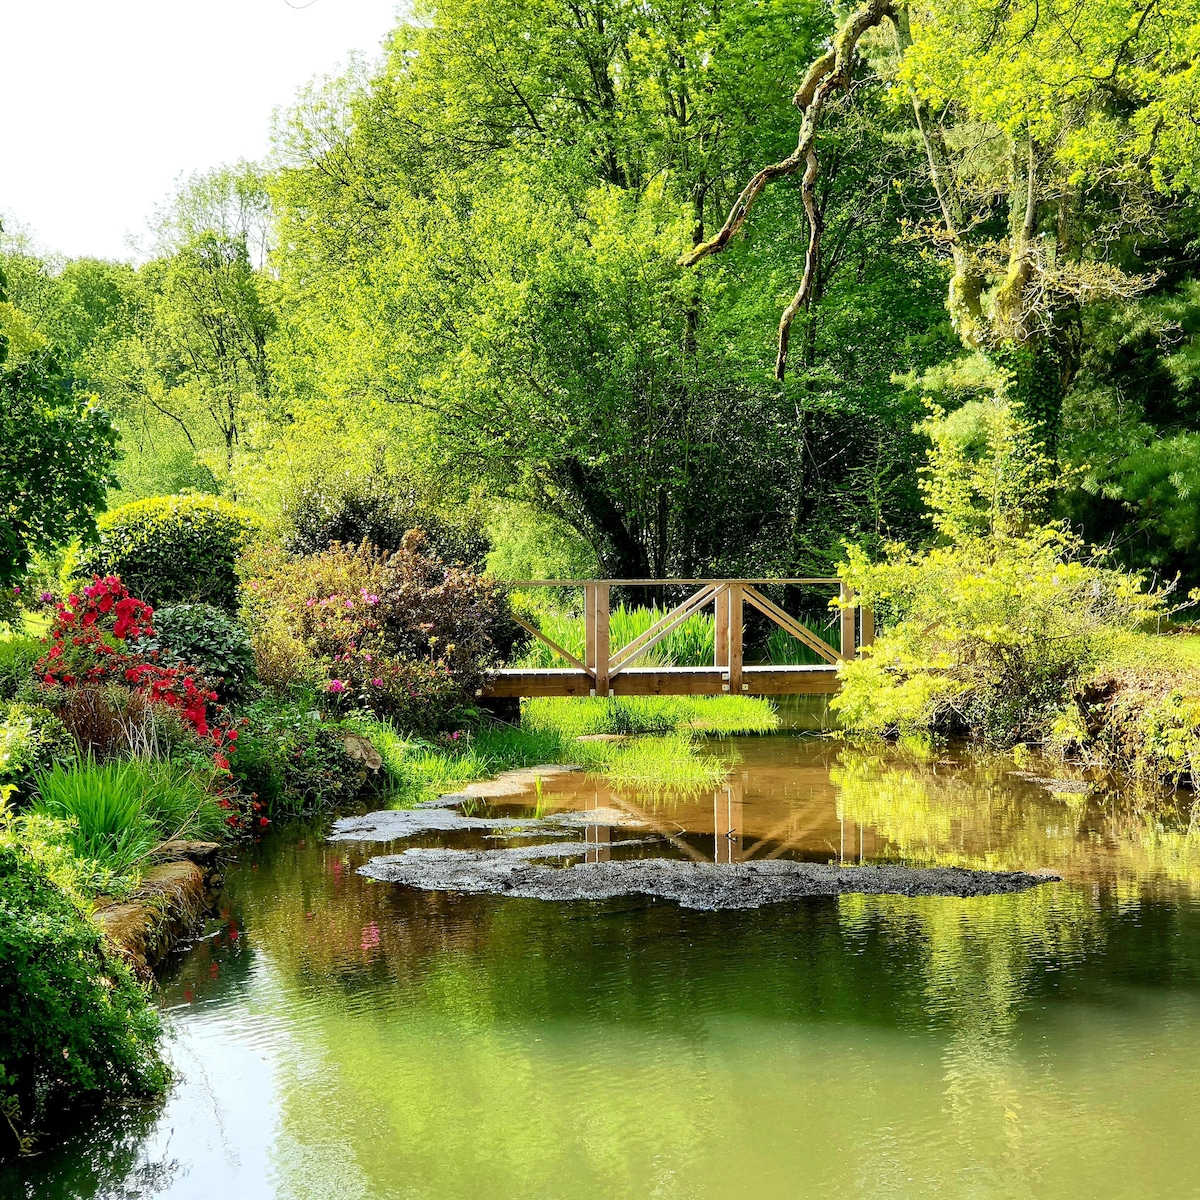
<point x="728" y="598"/>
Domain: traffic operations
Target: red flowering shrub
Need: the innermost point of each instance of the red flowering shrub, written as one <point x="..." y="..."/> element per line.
<point x="94" y="641"/>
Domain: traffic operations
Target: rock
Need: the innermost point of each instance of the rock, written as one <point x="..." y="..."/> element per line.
<point x="204" y="854"/>
<point x="362" y="751"/>
<point x="166" y="906"/>
<point x="513" y="872"/>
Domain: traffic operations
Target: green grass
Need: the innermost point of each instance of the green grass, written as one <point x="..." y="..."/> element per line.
<point x="579" y="717"/>
<point x="121" y="809"/>
<point x="1155" y="652"/>
<point x="783" y="650"/>
<point x="663" y="753"/>
<point x="688" y="645"/>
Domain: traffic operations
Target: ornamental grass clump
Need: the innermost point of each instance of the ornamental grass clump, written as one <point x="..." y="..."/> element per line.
<point x="115" y="813"/>
<point x="994" y="630"/>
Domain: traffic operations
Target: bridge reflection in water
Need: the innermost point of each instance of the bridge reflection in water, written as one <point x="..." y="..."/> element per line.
<point x="607" y="671"/>
<point x="745" y="818"/>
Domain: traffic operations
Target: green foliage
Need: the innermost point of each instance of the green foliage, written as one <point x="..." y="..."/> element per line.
<point x="32" y="739"/>
<point x="117" y="811"/>
<point x="296" y="764"/>
<point x="174" y="549"/>
<point x="208" y="639"/>
<point x="74" y="1027"/>
<point x="992" y="632"/>
<point x="378" y="508"/>
<point x="17" y="657"/>
<point x="57" y="450"/>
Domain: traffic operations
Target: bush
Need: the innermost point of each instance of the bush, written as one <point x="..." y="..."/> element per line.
<point x="379" y="509"/>
<point x="32" y="739"/>
<point x="993" y="631"/>
<point x="207" y="639"/>
<point x="400" y="635"/>
<point x="74" y="1027"/>
<point x="174" y="549"/>
<point x="97" y="651"/>
<point x="17" y="658"/>
<point x="294" y="764"/>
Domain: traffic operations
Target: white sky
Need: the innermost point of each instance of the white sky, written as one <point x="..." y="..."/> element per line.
<point x="104" y="103"/>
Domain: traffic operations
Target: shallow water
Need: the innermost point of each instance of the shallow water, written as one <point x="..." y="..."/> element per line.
<point x="338" y="1037"/>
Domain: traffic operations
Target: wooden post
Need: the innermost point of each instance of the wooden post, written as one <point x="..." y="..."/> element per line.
<point x="589" y="625"/>
<point x="721" y="630"/>
<point x="735" y="639"/>
<point x="602" y="654"/>
<point x="867" y="626"/>
<point x="847" y="647"/>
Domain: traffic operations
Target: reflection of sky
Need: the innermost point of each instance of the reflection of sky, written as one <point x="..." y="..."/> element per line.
<point x="221" y="1120"/>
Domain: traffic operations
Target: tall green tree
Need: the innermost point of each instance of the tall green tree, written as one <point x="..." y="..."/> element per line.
<point x="485" y="235"/>
<point x="57" y="450"/>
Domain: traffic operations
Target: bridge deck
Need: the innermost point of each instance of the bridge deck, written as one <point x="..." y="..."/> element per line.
<point x="666" y="681"/>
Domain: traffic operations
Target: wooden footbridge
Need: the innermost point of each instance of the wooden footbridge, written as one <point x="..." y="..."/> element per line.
<point x="608" y="671"/>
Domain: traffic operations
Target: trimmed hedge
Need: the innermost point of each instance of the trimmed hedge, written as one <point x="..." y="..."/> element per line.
<point x="174" y="549"/>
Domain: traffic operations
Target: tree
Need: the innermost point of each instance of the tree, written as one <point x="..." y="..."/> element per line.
<point x="57" y="450"/>
<point x="1047" y="129"/>
<point x="485" y="233"/>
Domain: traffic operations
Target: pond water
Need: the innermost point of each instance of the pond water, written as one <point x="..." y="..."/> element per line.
<point x="340" y="1037"/>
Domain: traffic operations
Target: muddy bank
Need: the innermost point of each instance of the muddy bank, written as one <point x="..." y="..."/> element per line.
<point x="513" y="871"/>
<point x="166" y="906"/>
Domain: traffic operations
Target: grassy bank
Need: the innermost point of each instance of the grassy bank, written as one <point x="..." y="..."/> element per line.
<point x="660" y="746"/>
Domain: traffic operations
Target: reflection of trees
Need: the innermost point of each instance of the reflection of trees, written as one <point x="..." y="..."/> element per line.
<point x="103" y="1158"/>
<point x="979" y="814"/>
<point x="470" y="1044"/>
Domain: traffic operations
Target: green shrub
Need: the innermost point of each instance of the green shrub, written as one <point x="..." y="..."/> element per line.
<point x="992" y="631"/>
<point x="116" y="812"/>
<point x="74" y="1028"/>
<point x="208" y="639"/>
<point x="379" y="509"/>
<point x="17" y="656"/>
<point x="32" y="739"/>
<point x="296" y="764"/>
<point x="174" y="549"/>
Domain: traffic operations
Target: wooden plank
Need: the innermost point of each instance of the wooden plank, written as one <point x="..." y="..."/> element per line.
<point x="665" y="681"/>
<point x="721" y="629"/>
<point x="659" y="630"/>
<point x="789" y="623"/>
<point x="735" y="639"/>
<point x="847" y="622"/>
<point x="566" y="654"/>
<point x="602" y="656"/>
<point x="516" y="681"/>
<point x="867" y="626"/>
<point x="763" y="582"/>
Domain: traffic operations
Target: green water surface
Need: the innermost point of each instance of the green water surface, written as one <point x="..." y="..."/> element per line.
<point x="340" y="1038"/>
